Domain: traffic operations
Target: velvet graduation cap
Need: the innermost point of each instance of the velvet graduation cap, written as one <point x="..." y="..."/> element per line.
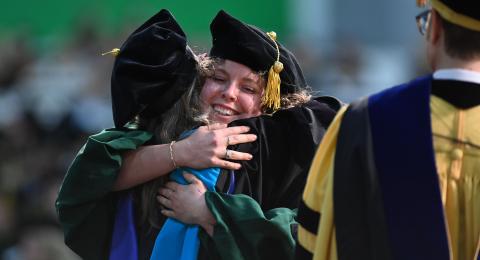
<point x="153" y="68"/>
<point x="250" y="46"/>
<point x="464" y="13"/>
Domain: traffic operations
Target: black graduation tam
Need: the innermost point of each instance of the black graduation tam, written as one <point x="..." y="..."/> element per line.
<point x="246" y="44"/>
<point x="154" y="67"/>
<point x="464" y="13"/>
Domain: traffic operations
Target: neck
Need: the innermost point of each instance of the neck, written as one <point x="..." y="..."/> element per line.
<point x="447" y="62"/>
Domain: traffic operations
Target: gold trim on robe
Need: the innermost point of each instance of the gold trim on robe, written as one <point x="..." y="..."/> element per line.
<point x="457" y="154"/>
<point x="458" y="167"/>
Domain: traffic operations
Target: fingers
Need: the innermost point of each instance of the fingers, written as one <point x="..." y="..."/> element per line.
<point x="190" y="178"/>
<point x="167" y="193"/>
<point x="226" y="164"/>
<point x="230" y="135"/>
<point x="234" y="130"/>
<point x="237" y="156"/>
<point x="241" y="138"/>
<point x="215" y="126"/>
<point x="228" y="130"/>
<point x="172" y="185"/>
<point x="169" y="213"/>
<point x="164" y="201"/>
<point x="198" y="185"/>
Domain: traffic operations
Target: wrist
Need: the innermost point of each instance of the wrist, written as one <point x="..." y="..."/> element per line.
<point x="208" y="224"/>
<point x="205" y="218"/>
<point x="179" y="153"/>
<point x="172" y="154"/>
<point x="209" y="229"/>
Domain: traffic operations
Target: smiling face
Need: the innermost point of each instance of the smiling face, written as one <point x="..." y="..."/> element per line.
<point x="233" y="92"/>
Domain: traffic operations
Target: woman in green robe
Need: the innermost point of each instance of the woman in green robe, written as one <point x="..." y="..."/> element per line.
<point x="271" y="171"/>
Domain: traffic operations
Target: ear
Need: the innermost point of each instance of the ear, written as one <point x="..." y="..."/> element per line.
<point x="435" y="29"/>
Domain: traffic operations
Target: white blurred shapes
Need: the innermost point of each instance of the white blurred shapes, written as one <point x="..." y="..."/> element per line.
<point x="91" y="114"/>
<point x="52" y="85"/>
<point x="11" y="108"/>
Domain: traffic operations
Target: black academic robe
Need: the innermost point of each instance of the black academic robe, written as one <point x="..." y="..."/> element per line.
<point x="386" y="195"/>
<point x="274" y="177"/>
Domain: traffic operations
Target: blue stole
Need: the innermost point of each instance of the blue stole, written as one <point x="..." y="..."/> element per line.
<point x="177" y="240"/>
<point x="405" y="160"/>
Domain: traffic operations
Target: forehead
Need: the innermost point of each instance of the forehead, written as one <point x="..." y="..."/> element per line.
<point x="233" y="68"/>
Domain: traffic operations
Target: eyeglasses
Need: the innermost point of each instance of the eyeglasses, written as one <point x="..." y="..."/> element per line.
<point x="423" y="20"/>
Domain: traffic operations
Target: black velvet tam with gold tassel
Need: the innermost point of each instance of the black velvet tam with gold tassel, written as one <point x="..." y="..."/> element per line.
<point x="246" y="44"/>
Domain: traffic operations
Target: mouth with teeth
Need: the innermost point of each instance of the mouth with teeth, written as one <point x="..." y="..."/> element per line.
<point x="224" y="111"/>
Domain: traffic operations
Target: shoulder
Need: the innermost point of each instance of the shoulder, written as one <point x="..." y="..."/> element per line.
<point x="330" y="101"/>
<point x="402" y="93"/>
<point x="353" y="122"/>
<point x="323" y="109"/>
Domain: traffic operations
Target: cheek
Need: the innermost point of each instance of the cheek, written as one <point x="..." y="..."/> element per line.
<point x="251" y="105"/>
<point x="208" y="92"/>
<point x="257" y="105"/>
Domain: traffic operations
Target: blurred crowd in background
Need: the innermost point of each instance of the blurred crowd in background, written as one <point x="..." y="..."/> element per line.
<point x="51" y="99"/>
<point x="49" y="103"/>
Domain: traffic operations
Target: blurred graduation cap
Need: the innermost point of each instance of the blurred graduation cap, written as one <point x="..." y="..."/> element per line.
<point x="464" y="13"/>
<point x="246" y="44"/>
<point x="152" y="69"/>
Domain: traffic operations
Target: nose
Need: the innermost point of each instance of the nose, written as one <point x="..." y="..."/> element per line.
<point x="230" y="92"/>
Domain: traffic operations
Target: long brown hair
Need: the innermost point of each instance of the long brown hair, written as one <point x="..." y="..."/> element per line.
<point x="185" y="114"/>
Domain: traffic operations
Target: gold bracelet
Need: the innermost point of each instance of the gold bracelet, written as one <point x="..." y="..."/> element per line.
<point x="172" y="155"/>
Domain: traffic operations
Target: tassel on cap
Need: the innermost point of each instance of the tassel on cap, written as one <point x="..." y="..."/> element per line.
<point x="271" y="97"/>
<point x="114" y="52"/>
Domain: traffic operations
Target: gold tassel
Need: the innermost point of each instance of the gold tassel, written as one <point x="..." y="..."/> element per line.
<point x="114" y="52"/>
<point x="271" y="97"/>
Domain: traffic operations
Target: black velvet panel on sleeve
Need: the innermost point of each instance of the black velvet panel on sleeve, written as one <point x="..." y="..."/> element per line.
<point x="286" y="144"/>
<point x="461" y="94"/>
<point x="361" y="230"/>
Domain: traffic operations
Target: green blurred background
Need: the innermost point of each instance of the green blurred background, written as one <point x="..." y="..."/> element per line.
<point x="56" y="20"/>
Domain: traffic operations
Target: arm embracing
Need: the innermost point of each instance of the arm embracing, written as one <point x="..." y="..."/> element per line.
<point x="85" y="204"/>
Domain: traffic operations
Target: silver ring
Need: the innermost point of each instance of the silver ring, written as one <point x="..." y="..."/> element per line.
<point x="227" y="154"/>
<point x="228" y="140"/>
